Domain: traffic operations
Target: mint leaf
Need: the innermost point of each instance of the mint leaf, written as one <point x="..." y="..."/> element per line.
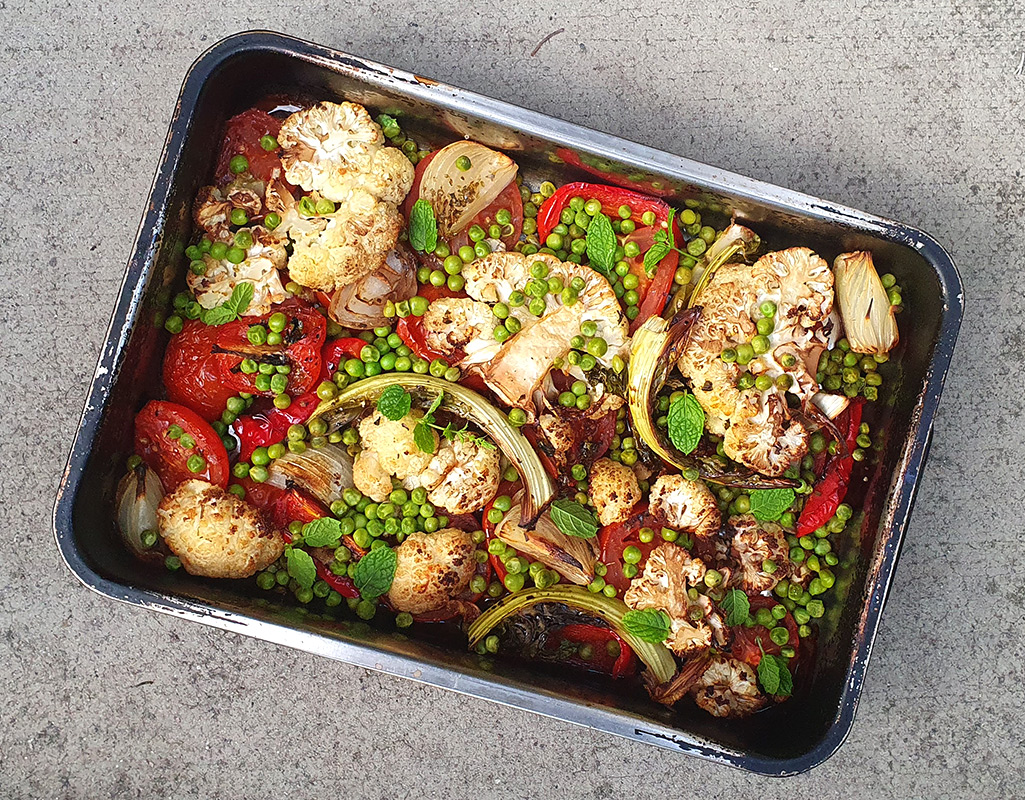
<point x="786" y="680"/>
<point x="573" y="519"/>
<point x="423" y="437"/>
<point x="648" y="625"/>
<point x="435" y="406"/>
<point x="375" y="572"/>
<point x="394" y="402"/>
<point x="423" y="227"/>
<point x="737" y="607"/>
<point x="601" y="245"/>
<point x="654" y="256"/>
<point x="768" y="674"/>
<point x="232" y="308"/>
<point x="662" y="245"/>
<point x="769" y="505"/>
<point x="301" y="567"/>
<point x="686" y="423"/>
<point x="324" y="532"/>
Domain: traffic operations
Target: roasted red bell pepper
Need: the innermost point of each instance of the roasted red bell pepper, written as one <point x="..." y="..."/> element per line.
<point x="831" y="489"/>
<point x="600" y="660"/>
<point x="411" y="329"/>
<point x="293" y="505"/>
<point x="587" y="164"/>
<point x="652" y="290"/>
<point x="271" y="425"/>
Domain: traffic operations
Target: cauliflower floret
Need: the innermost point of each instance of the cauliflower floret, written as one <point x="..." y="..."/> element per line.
<point x="459" y="323"/>
<point x="336" y="148"/>
<point x="518" y="367"/>
<point x="757" y="426"/>
<point x="753" y="544"/>
<point x="336" y="249"/>
<point x="260" y="268"/>
<point x="212" y="209"/>
<point x="215" y="534"/>
<point x="668" y="573"/>
<point x="431" y="570"/>
<point x="728" y="688"/>
<point x="389" y="449"/>
<point x="685" y="505"/>
<point x="614" y="489"/>
<point x="471" y="482"/>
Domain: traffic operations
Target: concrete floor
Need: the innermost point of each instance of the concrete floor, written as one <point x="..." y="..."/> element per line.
<point x="911" y="110"/>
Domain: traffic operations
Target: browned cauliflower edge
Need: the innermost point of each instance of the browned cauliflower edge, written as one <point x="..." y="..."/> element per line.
<point x="431" y="570"/>
<point x="215" y="534"/>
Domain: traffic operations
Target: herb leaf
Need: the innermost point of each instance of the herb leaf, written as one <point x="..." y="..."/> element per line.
<point x="662" y="245"/>
<point x="768" y="674"/>
<point x="232" y="308"/>
<point x="394" y="402"/>
<point x="737" y="607"/>
<point x="648" y="625"/>
<point x="323" y="532"/>
<point x="375" y="572"/>
<point x="769" y="505"/>
<point x="423" y="227"/>
<point x="573" y="519"/>
<point x="774" y="675"/>
<point x="435" y="406"/>
<point x="423" y="437"/>
<point x="686" y="423"/>
<point x="601" y="245"/>
<point x="301" y="567"/>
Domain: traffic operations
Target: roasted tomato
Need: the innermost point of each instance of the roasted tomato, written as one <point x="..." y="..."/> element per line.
<point x="203" y="363"/>
<point x="179" y="445"/>
<point x="242" y="137"/>
<point x="746" y="640"/>
<point x="614" y="539"/>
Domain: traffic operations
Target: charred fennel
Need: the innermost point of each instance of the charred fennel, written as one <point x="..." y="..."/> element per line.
<point x="462" y="402"/>
<point x="655" y="656"/>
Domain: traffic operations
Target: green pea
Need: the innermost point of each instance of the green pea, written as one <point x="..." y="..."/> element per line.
<point x="765" y="326"/>
<point x="745" y="352"/>
<point x="696" y="247"/>
<point x="238" y="164"/>
<point x="760" y="344"/>
<point x="763" y="383"/>
<point x="514" y="581"/>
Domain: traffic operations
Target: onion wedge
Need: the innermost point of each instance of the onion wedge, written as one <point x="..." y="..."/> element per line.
<point x="325" y="472"/>
<point x="868" y="319"/>
<point x="457" y="195"/>
<point x="655" y="655"/>
<point x="466" y="404"/>
<point x="138" y="495"/>
<point x="570" y="556"/>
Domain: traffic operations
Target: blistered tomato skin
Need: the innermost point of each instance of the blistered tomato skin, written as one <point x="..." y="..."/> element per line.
<point x="179" y="445"/>
<point x="242" y="137"/>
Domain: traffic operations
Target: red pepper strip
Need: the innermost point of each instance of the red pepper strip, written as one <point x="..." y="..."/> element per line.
<point x="294" y="505"/>
<point x="271" y="426"/>
<point x="831" y="489"/>
<point x="610" y="197"/>
<point x="653" y="291"/>
<point x="647" y="187"/>
<point x="508" y="489"/>
<point x="621" y="666"/>
<point x="411" y="329"/>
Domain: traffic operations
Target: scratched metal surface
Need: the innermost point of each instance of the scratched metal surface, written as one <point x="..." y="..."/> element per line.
<point x="909" y="113"/>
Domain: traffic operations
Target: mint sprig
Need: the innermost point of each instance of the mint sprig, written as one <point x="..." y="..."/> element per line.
<point x="647" y="624"/>
<point x="601" y="246"/>
<point x="573" y="519"/>
<point x="374" y="573"/>
<point x="686" y="421"/>
<point x="423" y="227"/>
<point x="232" y="308"/>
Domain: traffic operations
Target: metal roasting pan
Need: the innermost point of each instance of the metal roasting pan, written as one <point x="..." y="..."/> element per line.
<point x="242" y="69"/>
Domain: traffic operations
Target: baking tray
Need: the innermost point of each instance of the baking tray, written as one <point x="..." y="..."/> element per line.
<point x="240" y="70"/>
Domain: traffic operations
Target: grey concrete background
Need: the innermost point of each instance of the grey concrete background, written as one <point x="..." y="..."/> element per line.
<point x="911" y="110"/>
